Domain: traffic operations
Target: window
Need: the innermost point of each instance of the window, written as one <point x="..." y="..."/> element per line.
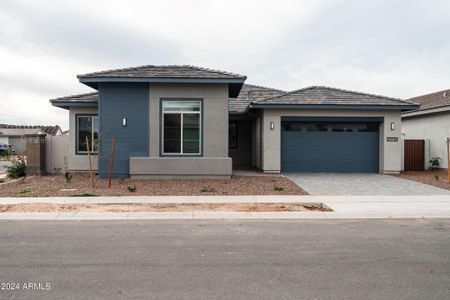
<point x="87" y="127"/>
<point x="181" y="127"/>
<point x="232" y="135"/>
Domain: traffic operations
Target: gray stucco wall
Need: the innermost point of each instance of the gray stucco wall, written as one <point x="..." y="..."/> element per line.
<point x="214" y="139"/>
<point x="434" y="127"/>
<point x="79" y="162"/>
<point x="118" y="101"/>
<point x="390" y="152"/>
<point x="215" y="114"/>
<point x="242" y="154"/>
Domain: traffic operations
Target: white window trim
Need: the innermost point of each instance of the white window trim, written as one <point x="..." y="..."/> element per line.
<point x="182" y="113"/>
<point x="77" y="137"/>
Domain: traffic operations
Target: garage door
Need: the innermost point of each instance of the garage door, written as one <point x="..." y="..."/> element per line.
<point x="329" y="147"/>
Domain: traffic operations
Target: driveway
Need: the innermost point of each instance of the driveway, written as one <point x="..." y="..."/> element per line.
<point x="361" y="184"/>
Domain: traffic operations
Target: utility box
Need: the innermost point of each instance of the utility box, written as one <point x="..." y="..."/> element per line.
<point x="35" y="152"/>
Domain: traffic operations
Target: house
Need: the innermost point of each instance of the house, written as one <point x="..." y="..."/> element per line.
<point x="187" y="121"/>
<point x="15" y="134"/>
<point x="430" y="122"/>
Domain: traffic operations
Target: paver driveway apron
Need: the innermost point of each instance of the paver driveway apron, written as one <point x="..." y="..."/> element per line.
<point x="361" y="184"/>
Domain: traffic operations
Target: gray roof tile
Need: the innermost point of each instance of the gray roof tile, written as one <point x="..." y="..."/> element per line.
<point x="169" y="71"/>
<point x="320" y="95"/>
<point x="236" y="105"/>
<point x="433" y="100"/>
<point x="87" y="97"/>
<point x="249" y="93"/>
<point x="19" y="130"/>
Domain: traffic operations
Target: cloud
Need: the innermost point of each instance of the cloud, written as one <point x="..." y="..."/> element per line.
<point x="395" y="48"/>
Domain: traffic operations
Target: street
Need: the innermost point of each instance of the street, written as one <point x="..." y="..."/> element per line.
<point x="228" y="259"/>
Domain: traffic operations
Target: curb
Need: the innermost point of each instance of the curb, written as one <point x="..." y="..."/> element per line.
<point x="216" y="215"/>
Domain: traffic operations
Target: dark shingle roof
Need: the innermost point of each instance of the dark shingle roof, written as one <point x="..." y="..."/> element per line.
<point x="18" y="130"/>
<point x="320" y="95"/>
<point x="169" y="71"/>
<point x="249" y="93"/>
<point x="87" y="97"/>
<point x="433" y="100"/>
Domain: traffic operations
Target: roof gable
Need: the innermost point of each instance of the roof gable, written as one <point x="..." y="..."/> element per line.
<point x="433" y="100"/>
<point x="326" y="96"/>
<point x="168" y="71"/>
<point x="166" y="74"/>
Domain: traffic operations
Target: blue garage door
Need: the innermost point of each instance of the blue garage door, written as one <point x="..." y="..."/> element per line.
<point x="329" y="147"/>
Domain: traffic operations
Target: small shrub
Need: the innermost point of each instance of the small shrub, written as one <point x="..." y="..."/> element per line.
<point x="436" y="177"/>
<point x="278" y="188"/>
<point x="25" y="191"/>
<point x="84" y="195"/>
<point x="17" y="170"/>
<point x="132" y="188"/>
<point x="68" y="177"/>
<point x="207" y="189"/>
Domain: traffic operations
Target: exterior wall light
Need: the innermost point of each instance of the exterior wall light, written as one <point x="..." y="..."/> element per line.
<point x="272" y="125"/>
<point x="124" y="122"/>
<point x="392" y="125"/>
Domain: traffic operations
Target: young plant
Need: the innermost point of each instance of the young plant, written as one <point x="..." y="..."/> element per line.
<point x="278" y="188"/>
<point x="68" y="177"/>
<point x="436" y="177"/>
<point x="207" y="189"/>
<point x="17" y="170"/>
<point x="132" y="188"/>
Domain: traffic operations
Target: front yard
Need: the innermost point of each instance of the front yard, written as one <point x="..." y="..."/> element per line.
<point x="436" y="178"/>
<point x="80" y="185"/>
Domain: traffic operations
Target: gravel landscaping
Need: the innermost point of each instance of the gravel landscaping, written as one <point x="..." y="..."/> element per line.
<point x="80" y="185"/>
<point x="436" y="178"/>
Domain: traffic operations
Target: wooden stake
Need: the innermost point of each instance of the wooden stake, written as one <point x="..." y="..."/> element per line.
<point x="90" y="163"/>
<point x="113" y="146"/>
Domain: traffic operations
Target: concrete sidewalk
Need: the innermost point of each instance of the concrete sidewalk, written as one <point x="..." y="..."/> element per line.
<point x="344" y="207"/>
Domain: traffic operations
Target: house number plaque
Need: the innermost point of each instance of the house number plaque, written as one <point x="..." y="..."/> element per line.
<point x="391" y="139"/>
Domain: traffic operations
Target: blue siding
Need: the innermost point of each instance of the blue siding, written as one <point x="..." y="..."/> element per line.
<point x="329" y="151"/>
<point x="119" y="100"/>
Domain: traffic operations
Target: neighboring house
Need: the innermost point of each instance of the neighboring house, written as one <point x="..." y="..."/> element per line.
<point x="15" y="134"/>
<point x="430" y="122"/>
<point x="186" y="121"/>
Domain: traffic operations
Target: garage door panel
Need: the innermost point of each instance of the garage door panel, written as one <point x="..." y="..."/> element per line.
<point x="329" y="151"/>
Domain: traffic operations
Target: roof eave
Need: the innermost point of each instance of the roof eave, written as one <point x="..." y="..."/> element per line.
<point x="334" y="106"/>
<point x="235" y="84"/>
<point x="68" y="104"/>
<point x="426" y="111"/>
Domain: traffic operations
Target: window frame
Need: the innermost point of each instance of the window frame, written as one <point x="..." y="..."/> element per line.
<point x="163" y="113"/>
<point x="77" y="137"/>
<point x="236" y="133"/>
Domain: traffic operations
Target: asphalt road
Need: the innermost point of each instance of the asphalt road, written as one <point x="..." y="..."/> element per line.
<point x="304" y="259"/>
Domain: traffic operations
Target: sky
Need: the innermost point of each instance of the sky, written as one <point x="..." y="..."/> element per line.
<point x="395" y="48"/>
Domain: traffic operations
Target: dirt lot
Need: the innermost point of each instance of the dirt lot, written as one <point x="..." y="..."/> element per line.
<point x="237" y="207"/>
<point x="436" y="178"/>
<point x="56" y="185"/>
